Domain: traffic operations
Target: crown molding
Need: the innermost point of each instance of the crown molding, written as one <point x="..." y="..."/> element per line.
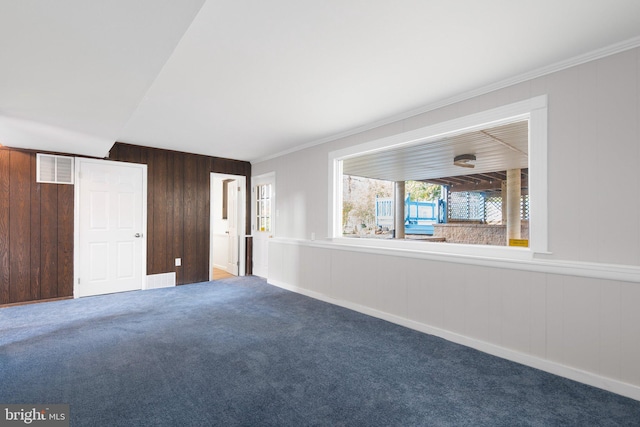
<point x="538" y="72"/>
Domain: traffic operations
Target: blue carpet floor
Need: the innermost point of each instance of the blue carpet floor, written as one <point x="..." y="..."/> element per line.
<point x="239" y="352"/>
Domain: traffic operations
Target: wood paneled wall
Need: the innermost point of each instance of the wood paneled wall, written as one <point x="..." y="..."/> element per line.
<point x="36" y="232"/>
<point x="178" y="207"/>
<point x="36" y="220"/>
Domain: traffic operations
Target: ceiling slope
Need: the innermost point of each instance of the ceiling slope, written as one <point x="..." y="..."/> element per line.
<point x="74" y="71"/>
<point x="249" y="78"/>
<point x="255" y="78"/>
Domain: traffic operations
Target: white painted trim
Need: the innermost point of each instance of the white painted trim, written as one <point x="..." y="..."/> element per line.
<point x="269" y="177"/>
<point x="260" y="251"/>
<point x="414" y="249"/>
<point x="546" y="365"/>
<point x="334" y="215"/>
<point x="242" y="215"/>
<point x="534" y="109"/>
<point x="76" y="217"/>
<point x="493" y="117"/>
<point x="539" y="72"/>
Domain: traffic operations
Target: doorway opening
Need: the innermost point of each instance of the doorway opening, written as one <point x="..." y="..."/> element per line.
<point x="228" y="234"/>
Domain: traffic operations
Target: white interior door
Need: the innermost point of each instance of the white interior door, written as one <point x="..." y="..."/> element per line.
<point x="262" y="224"/>
<point x="110" y="227"/>
<point x="232" y="203"/>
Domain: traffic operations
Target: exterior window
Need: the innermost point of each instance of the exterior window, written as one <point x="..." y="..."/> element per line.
<point x="455" y="189"/>
<point x="263" y="207"/>
<point x="478" y="181"/>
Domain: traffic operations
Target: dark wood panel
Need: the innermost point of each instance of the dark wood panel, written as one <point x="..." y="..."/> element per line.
<point x="36" y="256"/>
<point x="49" y="236"/>
<point x="65" y="240"/>
<point x="203" y="210"/>
<point x="229" y="166"/>
<point x="126" y="153"/>
<point x="36" y="226"/>
<point x="35" y="246"/>
<point x="158" y="173"/>
<point x="190" y="216"/>
<point x="178" y="220"/>
<point x="247" y="208"/>
<point x="4" y="226"/>
<point x="249" y="256"/>
<point x="169" y="261"/>
<point x="150" y="218"/>
<point x="20" y="222"/>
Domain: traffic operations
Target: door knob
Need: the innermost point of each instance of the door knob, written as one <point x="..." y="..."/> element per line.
<point x="138" y="235"/>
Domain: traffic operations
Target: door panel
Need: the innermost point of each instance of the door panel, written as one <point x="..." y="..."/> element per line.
<point x="262" y="224"/>
<point x="232" y="198"/>
<point x="111" y="227"/>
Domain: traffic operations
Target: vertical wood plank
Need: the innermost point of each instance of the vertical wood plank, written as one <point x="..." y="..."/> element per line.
<point x="203" y="220"/>
<point x="248" y="204"/>
<point x="150" y="215"/>
<point x="190" y="217"/>
<point x="4" y="226"/>
<point x="49" y="241"/>
<point x="169" y="214"/>
<point x="249" y="258"/>
<point x="178" y="214"/>
<point x="20" y="221"/>
<point x="159" y="206"/>
<point x="35" y="246"/>
<point x="65" y="240"/>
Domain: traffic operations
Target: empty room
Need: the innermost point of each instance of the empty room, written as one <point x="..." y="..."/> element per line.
<point x="289" y="213"/>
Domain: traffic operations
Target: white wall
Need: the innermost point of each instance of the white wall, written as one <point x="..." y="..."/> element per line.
<point x="574" y="311"/>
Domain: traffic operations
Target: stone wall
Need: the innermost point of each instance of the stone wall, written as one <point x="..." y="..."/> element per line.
<point x="477" y="234"/>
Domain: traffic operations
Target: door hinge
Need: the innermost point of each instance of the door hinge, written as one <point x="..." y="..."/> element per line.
<point x="78" y="280"/>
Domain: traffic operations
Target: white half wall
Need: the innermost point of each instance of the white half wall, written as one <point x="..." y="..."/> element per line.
<point x="579" y="327"/>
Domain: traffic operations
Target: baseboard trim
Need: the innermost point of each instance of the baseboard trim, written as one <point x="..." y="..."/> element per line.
<point x="585" y="377"/>
<point x="35" y="301"/>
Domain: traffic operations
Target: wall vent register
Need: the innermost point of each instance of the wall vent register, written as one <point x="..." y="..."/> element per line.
<point x="54" y="169"/>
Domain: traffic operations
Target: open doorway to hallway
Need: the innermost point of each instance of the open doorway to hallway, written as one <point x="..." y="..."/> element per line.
<point x="228" y="213"/>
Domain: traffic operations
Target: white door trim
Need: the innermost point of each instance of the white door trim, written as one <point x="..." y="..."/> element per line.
<point x="260" y="246"/>
<point x="241" y="220"/>
<point x="76" y="218"/>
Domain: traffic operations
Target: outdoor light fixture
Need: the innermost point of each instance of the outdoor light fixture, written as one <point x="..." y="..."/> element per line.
<point x="464" y="160"/>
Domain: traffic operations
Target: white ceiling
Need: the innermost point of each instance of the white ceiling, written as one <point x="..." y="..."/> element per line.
<point x="249" y="79"/>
